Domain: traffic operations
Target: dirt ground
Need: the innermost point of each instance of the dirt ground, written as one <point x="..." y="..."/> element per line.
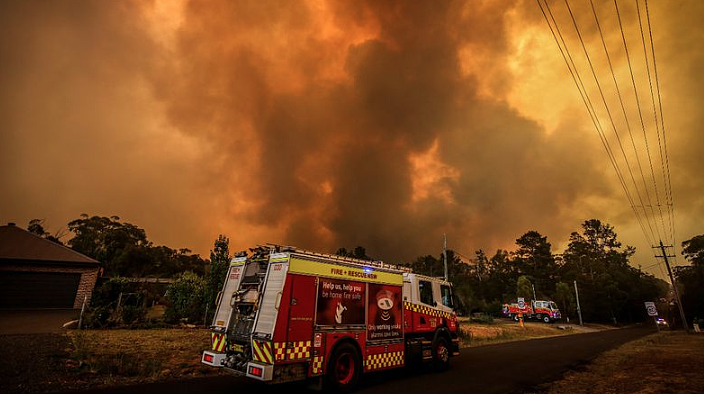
<point x="662" y="363"/>
<point x="75" y="359"/>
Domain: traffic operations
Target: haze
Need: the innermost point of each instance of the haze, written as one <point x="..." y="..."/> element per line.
<point x="331" y="124"/>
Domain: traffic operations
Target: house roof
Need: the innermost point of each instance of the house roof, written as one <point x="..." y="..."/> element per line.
<point x="19" y="244"/>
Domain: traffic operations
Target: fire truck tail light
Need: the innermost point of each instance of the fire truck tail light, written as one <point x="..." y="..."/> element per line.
<point x="208" y="358"/>
<point x="256" y="371"/>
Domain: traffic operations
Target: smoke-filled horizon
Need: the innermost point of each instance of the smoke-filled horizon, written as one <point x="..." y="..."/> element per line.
<point x="336" y="124"/>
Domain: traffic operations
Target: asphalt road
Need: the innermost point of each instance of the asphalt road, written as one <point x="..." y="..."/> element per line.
<point x="503" y="368"/>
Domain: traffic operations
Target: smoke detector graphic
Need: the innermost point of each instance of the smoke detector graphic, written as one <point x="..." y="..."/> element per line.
<point x="385" y="301"/>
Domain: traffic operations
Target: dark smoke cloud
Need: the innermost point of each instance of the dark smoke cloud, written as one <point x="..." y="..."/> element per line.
<point x="321" y="124"/>
<point x="404" y="91"/>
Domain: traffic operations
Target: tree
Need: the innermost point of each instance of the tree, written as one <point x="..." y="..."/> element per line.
<point x="219" y="263"/>
<point x="691" y="278"/>
<point x="534" y="258"/>
<point x="524" y="288"/>
<point x="36" y="227"/>
<point x="124" y="250"/>
<point x="611" y="288"/>
<point x="565" y="298"/>
<point x="104" y="239"/>
<point x="358" y="252"/>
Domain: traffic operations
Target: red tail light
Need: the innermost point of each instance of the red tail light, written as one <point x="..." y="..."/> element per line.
<point x="208" y="358"/>
<point x="256" y="371"/>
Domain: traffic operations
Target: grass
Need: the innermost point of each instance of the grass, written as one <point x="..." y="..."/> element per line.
<point x="666" y="362"/>
<point x="479" y="334"/>
<point x="112" y="356"/>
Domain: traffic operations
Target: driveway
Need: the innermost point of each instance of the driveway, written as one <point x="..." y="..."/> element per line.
<point x="35" y="321"/>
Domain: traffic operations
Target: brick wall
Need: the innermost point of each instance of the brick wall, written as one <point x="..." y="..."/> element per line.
<point x="89" y="275"/>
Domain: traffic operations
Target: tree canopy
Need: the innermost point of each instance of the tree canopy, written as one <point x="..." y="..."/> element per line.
<point x="691" y="277"/>
<point x="124" y="249"/>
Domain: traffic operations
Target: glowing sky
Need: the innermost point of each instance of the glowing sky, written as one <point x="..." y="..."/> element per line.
<point x="341" y="123"/>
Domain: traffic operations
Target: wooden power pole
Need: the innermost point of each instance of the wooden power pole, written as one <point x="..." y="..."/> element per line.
<point x="674" y="284"/>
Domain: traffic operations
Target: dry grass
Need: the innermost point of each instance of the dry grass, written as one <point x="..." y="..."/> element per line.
<point x="667" y="362"/>
<point x="473" y="334"/>
<point x="117" y="356"/>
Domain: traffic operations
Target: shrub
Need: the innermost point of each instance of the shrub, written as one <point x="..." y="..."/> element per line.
<point x="107" y="294"/>
<point x="132" y="314"/>
<point x="186" y="298"/>
<point x="98" y="317"/>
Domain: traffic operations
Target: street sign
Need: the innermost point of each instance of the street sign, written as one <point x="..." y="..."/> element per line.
<point x="650" y="307"/>
<point x="521" y="303"/>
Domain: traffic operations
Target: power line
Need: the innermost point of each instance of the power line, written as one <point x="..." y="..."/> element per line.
<point x="664" y="157"/>
<point x="574" y="72"/>
<point x="628" y="125"/>
<point x="662" y="121"/>
<point x="606" y="106"/>
<point x="640" y="116"/>
<point x="657" y="123"/>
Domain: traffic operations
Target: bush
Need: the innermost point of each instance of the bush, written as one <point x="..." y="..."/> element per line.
<point x="186" y="297"/>
<point x="131" y="314"/>
<point x="107" y="294"/>
<point x="98" y="317"/>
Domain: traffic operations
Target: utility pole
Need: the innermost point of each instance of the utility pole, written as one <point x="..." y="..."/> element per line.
<point x="579" y="310"/>
<point x="444" y="253"/>
<point x="674" y="284"/>
<point x="534" y="297"/>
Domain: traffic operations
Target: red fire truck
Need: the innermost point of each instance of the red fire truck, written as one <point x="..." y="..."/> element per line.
<point x="546" y="311"/>
<point x="286" y="314"/>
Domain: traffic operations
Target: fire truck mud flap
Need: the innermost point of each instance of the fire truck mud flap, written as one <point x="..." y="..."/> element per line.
<point x="261" y="372"/>
<point x="213" y="359"/>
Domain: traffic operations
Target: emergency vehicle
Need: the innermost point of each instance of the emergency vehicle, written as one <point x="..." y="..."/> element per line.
<point x="285" y="314"/>
<point x="545" y="311"/>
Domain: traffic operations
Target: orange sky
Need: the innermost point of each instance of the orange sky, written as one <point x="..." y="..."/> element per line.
<point x="329" y="124"/>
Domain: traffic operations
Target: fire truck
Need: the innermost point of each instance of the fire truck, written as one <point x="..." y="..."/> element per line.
<point x="286" y="314"/>
<point x="546" y="311"/>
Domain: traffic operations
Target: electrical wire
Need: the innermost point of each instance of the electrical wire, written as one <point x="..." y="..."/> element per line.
<point x="628" y="127"/>
<point x="574" y="72"/>
<point x="662" y="122"/>
<point x="642" y="122"/>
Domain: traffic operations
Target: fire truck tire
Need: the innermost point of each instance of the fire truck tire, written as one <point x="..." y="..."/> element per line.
<point x="441" y="354"/>
<point x="515" y="318"/>
<point x="546" y="319"/>
<point x="344" y="369"/>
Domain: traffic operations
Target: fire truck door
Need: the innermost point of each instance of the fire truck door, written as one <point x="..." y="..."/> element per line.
<point x="302" y="309"/>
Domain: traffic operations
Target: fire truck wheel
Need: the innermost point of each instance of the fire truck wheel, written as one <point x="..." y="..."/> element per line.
<point x="441" y="354"/>
<point x="515" y="318"/>
<point x="546" y="319"/>
<point x="344" y="369"/>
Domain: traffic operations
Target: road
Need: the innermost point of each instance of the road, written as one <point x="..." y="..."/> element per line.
<point x="503" y="368"/>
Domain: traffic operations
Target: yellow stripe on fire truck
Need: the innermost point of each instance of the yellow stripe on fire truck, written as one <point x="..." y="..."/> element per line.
<point x="279" y="351"/>
<point x="426" y="310"/>
<point x="384" y="360"/>
<point x="218" y="341"/>
<point x="299" y="350"/>
<point x="291" y="350"/>
<point x="261" y="351"/>
<point x="317" y="365"/>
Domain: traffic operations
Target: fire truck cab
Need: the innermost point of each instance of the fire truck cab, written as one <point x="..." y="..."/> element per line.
<point x="286" y="314"/>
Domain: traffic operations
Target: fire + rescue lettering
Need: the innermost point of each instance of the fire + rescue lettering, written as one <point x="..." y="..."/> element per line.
<point x="353" y="274"/>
